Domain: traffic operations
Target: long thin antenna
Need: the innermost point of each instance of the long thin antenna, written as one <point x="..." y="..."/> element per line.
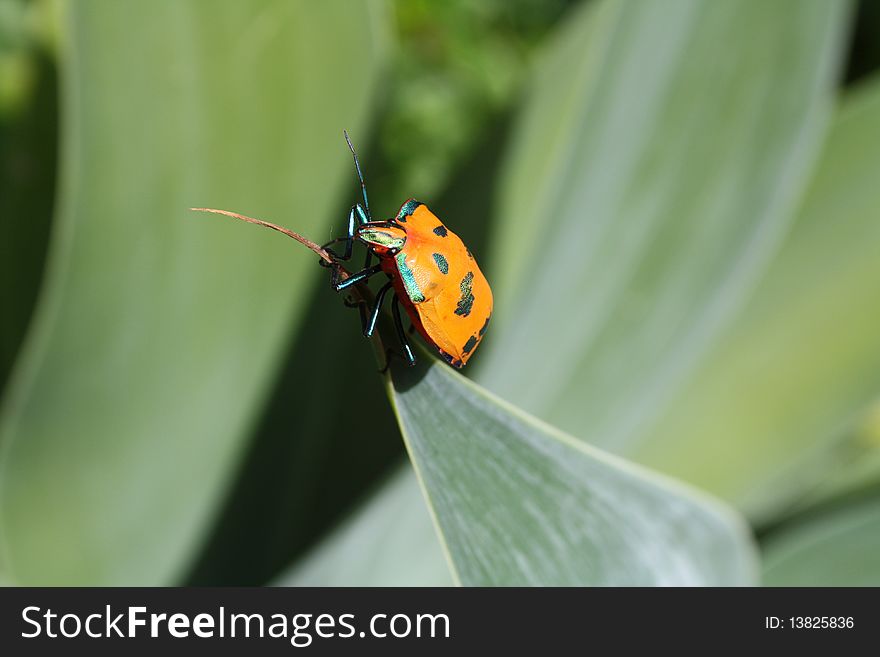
<point x="360" y="175"/>
<point x="281" y="229"/>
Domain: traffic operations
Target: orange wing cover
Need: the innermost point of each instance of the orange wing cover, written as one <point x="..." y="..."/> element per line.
<point x="443" y="290"/>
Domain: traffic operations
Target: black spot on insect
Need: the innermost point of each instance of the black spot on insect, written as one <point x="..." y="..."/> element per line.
<point x="440" y="231"/>
<point x="407" y="209"/>
<point x="486" y="325"/>
<point x="466" y="302"/>
<point x="457" y="364"/>
<point x="442" y="265"/>
<point x="448" y="358"/>
<point x="470" y="255"/>
<point x="470" y="344"/>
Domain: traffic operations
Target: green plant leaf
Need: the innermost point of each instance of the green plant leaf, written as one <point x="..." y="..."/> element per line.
<point x="655" y="170"/>
<point x="516" y="502"/>
<point x="837" y="547"/>
<point x="786" y="388"/>
<point x="158" y="330"/>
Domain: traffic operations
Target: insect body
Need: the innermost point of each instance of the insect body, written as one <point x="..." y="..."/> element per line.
<point x="432" y="274"/>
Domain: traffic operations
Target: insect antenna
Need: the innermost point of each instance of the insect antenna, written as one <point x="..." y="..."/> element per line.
<point x="360" y="175"/>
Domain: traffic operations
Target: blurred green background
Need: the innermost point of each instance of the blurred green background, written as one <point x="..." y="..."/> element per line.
<point x="675" y="203"/>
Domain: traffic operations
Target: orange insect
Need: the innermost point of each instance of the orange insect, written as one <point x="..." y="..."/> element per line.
<point x="432" y="273"/>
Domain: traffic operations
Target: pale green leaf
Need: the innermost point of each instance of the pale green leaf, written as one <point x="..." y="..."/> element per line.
<point x="837" y="547"/>
<point x="765" y="415"/>
<point x="516" y="502"/>
<point x="158" y="330"/>
<point x="656" y="167"/>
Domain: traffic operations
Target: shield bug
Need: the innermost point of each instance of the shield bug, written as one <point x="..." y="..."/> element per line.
<point x="431" y="273"/>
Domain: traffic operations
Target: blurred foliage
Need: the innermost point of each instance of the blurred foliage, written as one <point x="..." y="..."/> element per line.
<point x="156" y="335"/>
<point x="29" y="29"/>
<point x="836" y="545"/>
<point x="456" y="68"/>
<point x="142" y="425"/>
<point x="16" y="69"/>
<point x="800" y="366"/>
<point x="28" y="151"/>
<point x="864" y="55"/>
<point x="658" y="204"/>
<point x="29" y="36"/>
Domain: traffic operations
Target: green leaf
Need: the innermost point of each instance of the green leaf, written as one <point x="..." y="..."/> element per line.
<point x="838" y="547"/>
<point x="516" y="502"/>
<point x="656" y="168"/>
<point x="158" y="330"/>
<point x="777" y="404"/>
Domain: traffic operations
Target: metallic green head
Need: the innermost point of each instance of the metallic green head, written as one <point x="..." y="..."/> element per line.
<point x="383" y="240"/>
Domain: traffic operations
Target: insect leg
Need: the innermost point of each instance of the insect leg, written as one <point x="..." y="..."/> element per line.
<point x="363" y="218"/>
<point x="370" y="325"/>
<point x="362" y="309"/>
<point x="401" y="334"/>
<point x="360" y="276"/>
<point x="356" y="214"/>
